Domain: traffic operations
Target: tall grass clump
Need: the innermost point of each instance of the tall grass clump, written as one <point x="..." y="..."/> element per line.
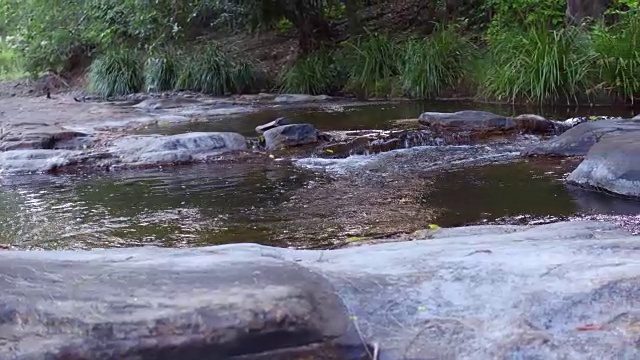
<point x="313" y="74"/>
<point x="211" y="70"/>
<point x="372" y="65"/>
<point x="160" y="70"/>
<point x="436" y="63"/>
<point x="617" y="52"/>
<point x="538" y="65"/>
<point x="116" y="73"/>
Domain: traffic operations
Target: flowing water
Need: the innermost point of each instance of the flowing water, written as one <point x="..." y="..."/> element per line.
<point x="309" y="202"/>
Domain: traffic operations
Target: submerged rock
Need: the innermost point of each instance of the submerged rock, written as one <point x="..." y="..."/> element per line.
<point x="578" y="140"/>
<point x="613" y="164"/>
<point x="290" y="135"/>
<point x="36" y="161"/>
<point x="565" y="290"/>
<point x="260" y="129"/>
<point x="181" y="148"/>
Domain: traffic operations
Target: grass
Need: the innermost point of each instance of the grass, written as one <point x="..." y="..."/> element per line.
<point x="116" y="73"/>
<point x="212" y="71"/>
<point x="617" y="62"/>
<point x="11" y="63"/>
<point x="538" y="65"/>
<point x="314" y="74"/>
<point x="435" y="64"/>
<point x="161" y="71"/>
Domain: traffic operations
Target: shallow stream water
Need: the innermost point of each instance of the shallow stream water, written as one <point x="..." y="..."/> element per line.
<point x="306" y="203"/>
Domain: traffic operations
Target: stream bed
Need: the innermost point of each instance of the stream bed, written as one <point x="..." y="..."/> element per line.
<point x="304" y="203"/>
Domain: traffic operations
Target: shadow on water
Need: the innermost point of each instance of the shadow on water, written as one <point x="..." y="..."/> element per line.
<point x="285" y="205"/>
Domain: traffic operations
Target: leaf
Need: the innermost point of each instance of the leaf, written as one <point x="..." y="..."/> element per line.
<point x="329" y="151"/>
<point x="354" y="239"/>
<point x="434" y="227"/>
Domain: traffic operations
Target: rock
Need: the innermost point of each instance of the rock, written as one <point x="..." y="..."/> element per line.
<point x="536" y="124"/>
<point x="157" y="304"/>
<point x="36" y="161"/>
<point x="560" y="291"/>
<point x="26" y="136"/>
<point x="578" y="140"/>
<point x="272" y="124"/>
<point x="469" y="121"/>
<point x="289" y="98"/>
<point x="637" y="117"/>
<point x="181" y="148"/>
<point x="290" y="135"/>
<point x="612" y="164"/>
<point x="167" y="103"/>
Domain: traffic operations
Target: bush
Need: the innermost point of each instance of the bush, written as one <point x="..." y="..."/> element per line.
<point x="116" y="73"/>
<point x="314" y="74"/>
<point x="435" y="64"/>
<point x="161" y="71"/>
<point x="212" y="71"/>
<point x="11" y="62"/>
<point x="538" y="65"/>
<point x="617" y="65"/>
<point x="370" y="63"/>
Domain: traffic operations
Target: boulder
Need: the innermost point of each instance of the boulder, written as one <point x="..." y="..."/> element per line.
<point x="36" y="161"/>
<point x="468" y="121"/>
<point x="296" y="98"/>
<point x="26" y="136"/>
<point x="559" y="291"/>
<point x="536" y="124"/>
<point x="290" y="135"/>
<point x="637" y="117"/>
<point x="181" y="148"/>
<point x="578" y="140"/>
<point x="612" y="164"/>
<point x="167" y="103"/>
<point x="260" y="129"/>
<point x="156" y="304"/>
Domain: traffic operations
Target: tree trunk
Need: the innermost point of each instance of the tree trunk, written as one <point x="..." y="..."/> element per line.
<point x="579" y="10"/>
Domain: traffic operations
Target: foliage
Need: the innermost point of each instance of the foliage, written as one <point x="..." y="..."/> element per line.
<point x="314" y="74"/>
<point x="161" y="70"/>
<point x="433" y="64"/>
<point x="525" y="14"/>
<point x="11" y="62"/>
<point x="538" y="65"/>
<point x="617" y="62"/>
<point x="210" y="70"/>
<point x="116" y="73"/>
<point x="370" y="62"/>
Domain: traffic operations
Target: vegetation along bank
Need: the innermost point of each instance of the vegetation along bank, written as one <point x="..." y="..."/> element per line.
<point x="524" y="51"/>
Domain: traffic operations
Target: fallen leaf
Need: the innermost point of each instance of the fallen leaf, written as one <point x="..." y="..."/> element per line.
<point x="590" y="327"/>
<point x="434" y="227"/>
<point x="330" y="151"/>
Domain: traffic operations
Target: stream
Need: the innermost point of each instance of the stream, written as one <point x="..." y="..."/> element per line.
<point x="305" y="203"/>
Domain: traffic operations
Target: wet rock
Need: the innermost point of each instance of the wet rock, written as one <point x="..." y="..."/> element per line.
<point x="558" y="291"/>
<point x="272" y="124"/>
<point x="536" y="124"/>
<point x="612" y="164"/>
<point x="290" y="135"/>
<point x="469" y="121"/>
<point x="167" y="103"/>
<point x="290" y="98"/>
<point x="155" y="304"/>
<point x="578" y="140"/>
<point x="36" y="161"/>
<point x="181" y="148"/>
<point x="25" y="136"/>
<point x="637" y="117"/>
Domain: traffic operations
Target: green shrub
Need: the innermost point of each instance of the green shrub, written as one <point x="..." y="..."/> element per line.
<point x="370" y="62"/>
<point x="314" y="74"/>
<point x="617" y="64"/>
<point x="211" y="70"/>
<point x="11" y="62"/>
<point x="538" y="65"/>
<point x="116" y="73"/>
<point x="436" y="63"/>
<point x="161" y="71"/>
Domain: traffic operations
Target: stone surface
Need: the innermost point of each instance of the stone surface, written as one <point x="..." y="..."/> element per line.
<point x="536" y="124"/>
<point x="167" y="103"/>
<point x="290" y="98"/>
<point x="36" y="161"/>
<point x="558" y="291"/>
<point x="290" y="135"/>
<point x="613" y="164"/>
<point x="578" y="140"/>
<point x="272" y="124"/>
<point x="181" y="148"/>
<point x="26" y="136"/>
<point x="479" y="122"/>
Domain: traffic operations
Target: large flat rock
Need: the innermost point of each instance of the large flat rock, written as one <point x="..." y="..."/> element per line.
<point x="578" y="140"/>
<point x="612" y="164"/>
<point x="559" y="291"/>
